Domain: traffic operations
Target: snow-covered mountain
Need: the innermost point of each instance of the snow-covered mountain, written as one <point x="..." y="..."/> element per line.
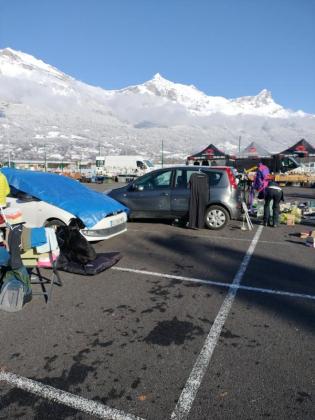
<point x="45" y="110"/>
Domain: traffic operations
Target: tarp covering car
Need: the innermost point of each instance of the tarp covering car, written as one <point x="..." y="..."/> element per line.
<point x="88" y="205"/>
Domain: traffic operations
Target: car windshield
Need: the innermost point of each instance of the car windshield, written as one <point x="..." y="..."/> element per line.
<point x="149" y="163"/>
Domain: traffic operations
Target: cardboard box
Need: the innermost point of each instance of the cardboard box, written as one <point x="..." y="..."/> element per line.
<point x="290" y="220"/>
<point x="304" y="235"/>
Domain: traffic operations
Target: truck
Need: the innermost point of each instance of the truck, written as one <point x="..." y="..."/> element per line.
<point x="127" y="166"/>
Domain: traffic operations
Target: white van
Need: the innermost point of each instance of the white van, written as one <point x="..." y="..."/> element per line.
<point x="131" y="165"/>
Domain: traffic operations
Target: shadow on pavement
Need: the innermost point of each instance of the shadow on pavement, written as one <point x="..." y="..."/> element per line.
<point x="262" y="272"/>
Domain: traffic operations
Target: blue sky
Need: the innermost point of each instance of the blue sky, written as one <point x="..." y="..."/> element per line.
<point x="228" y="48"/>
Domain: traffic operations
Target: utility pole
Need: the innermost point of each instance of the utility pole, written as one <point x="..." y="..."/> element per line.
<point x="80" y="164"/>
<point x="9" y="153"/>
<point x="45" y="158"/>
<point x="239" y="144"/>
<point x="162" y="154"/>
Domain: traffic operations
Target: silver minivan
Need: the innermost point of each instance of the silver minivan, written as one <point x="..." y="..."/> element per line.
<point x="164" y="193"/>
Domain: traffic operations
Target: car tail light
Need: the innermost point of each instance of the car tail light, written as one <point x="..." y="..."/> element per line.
<point x="232" y="179"/>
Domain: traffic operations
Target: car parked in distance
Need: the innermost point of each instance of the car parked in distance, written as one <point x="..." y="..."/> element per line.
<point x="164" y="193"/>
<point x="54" y="200"/>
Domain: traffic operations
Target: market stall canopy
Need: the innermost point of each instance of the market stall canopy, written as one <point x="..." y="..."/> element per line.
<point x="301" y="149"/>
<point x="210" y="152"/>
<point x="255" y="151"/>
<point x="60" y="191"/>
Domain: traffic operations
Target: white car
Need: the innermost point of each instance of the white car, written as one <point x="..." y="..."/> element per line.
<point x="37" y="213"/>
<point x="52" y="200"/>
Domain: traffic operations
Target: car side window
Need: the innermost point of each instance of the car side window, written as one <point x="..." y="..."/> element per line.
<point x="182" y="178"/>
<point x="214" y="178"/>
<point x="158" y="180"/>
<point x="140" y="164"/>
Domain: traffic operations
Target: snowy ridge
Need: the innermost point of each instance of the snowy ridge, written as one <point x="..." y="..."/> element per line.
<point x="198" y="103"/>
<point x="19" y="65"/>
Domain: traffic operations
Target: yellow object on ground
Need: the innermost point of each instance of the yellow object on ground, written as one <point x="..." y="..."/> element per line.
<point x="291" y="217"/>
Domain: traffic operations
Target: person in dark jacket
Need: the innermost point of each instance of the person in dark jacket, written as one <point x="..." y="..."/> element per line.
<point x="272" y="192"/>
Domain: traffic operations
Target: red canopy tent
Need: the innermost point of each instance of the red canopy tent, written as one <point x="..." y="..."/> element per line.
<point x="300" y="149"/>
<point x="210" y="153"/>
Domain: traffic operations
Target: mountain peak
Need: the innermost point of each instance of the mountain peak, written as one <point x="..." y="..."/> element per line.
<point x="264" y="92"/>
<point x="158" y="76"/>
<point x="265" y="95"/>
<point x="159" y="80"/>
<point x="262" y="103"/>
<point x="13" y="63"/>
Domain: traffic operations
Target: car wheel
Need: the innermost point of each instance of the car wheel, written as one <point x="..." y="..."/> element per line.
<point x="54" y="223"/>
<point x="216" y="217"/>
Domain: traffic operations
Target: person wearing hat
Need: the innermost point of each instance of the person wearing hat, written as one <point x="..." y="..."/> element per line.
<point x="272" y="193"/>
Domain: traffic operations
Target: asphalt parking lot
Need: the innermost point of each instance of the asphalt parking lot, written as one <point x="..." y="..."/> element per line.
<point x="189" y="324"/>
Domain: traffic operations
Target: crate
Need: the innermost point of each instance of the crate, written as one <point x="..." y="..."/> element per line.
<point x="290" y="220"/>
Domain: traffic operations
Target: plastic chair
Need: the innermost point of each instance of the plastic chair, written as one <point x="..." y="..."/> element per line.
<point x="38" y="277"/>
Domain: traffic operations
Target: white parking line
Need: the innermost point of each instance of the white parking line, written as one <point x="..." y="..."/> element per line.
<point x="57" y="395"/>
<point x="193" y="383"/>
<point x="216" y="283"/>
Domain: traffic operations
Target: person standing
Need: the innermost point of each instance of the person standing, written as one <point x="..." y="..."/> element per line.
<point x="272" y="193"/>
<point x="261" y="180"/>
<point x="4" y="190"/>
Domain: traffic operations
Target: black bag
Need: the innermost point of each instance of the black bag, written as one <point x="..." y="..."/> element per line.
<point x="99" y="264"/>
<point x="73" y="244"/>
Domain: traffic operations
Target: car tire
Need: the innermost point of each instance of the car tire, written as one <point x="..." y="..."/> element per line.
<point x="54" y="223"/>
<point x="216" y="217"/>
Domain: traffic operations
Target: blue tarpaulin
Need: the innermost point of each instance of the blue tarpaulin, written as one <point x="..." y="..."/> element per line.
<point x="63" y="192"/>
